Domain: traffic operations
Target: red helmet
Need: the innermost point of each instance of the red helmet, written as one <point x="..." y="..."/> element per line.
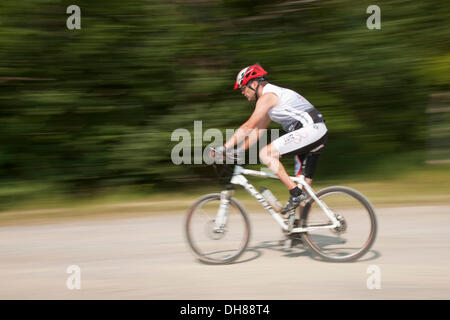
<point x="247" y="74"/>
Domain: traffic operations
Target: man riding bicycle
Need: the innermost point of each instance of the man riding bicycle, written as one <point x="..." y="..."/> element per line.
<point x="306" y="131"/>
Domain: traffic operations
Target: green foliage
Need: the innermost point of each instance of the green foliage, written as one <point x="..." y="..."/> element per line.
<point x="92" y="108"/>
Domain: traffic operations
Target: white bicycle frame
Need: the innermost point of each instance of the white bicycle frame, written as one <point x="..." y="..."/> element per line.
<point x="239" y="179"/>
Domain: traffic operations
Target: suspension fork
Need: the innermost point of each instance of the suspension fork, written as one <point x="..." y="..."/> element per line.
<point x="224" y="207"/>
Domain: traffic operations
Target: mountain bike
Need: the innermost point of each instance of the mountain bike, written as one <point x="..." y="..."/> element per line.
<point x="337" y="224"/>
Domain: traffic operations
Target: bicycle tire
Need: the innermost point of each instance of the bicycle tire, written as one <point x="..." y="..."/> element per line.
<point x="189" y="232"/>
<point x="313" y="244"/>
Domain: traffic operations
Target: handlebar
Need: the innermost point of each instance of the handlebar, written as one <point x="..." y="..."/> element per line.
<point x="224" y="165"/>
<point x="233" y="156"/>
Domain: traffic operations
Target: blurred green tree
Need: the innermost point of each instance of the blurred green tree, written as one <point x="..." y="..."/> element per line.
<point x="95" y="107"/>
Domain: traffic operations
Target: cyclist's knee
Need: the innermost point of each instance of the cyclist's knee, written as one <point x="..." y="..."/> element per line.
<point x="268" y="153"/>
<point x="264" y="154"/>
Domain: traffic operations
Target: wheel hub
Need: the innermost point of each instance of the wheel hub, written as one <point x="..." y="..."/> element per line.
<point x="213" y="232"/>
<point x="343" y="227"/>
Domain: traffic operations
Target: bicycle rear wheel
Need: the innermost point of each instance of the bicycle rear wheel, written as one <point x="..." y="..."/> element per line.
<point x="358" y="227"/>
<point x="206" y="243"/>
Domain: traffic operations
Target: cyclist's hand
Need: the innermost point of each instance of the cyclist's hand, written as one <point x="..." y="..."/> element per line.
<point x="218" y="152"/>
<point x="221" y="153"/>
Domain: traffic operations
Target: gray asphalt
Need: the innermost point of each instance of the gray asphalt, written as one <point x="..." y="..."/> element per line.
<point x="147" y="258"/>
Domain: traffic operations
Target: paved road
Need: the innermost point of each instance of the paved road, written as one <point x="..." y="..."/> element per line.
<point x="147" y="258"/>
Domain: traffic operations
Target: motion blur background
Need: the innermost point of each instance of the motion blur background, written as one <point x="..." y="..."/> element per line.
<point x="85" y="113"/>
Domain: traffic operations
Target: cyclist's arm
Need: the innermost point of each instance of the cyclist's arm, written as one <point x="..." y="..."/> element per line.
<point x="256" y="134"/>
<point x="258" y="120"/>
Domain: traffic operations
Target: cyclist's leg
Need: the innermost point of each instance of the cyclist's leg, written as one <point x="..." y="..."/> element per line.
<point x="297" y="165"/>
<point x="270" y="156"/>
<point x="306" y="164"/>
<point x="309" y="165"/>
<point x="299" y="169"/>
<point x="296" y="142"/>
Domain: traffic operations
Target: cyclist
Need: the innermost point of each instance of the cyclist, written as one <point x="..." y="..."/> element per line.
<point x="306" y="131"/>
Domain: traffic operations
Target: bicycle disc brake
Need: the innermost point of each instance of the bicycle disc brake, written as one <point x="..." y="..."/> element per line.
<point x="342" y="228"/>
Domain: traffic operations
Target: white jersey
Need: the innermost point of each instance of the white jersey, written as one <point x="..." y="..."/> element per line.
<point x="292" y="111"/>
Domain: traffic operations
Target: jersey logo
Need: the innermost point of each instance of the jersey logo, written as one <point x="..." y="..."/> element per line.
<point x="299" y="137"/>
<point x="289" y="138"/>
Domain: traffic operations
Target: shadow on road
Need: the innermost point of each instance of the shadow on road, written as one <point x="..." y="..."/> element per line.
<point x="295" y="251"/>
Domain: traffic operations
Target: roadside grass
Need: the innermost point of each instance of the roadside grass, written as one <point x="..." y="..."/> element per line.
<point x="413" y="186"/>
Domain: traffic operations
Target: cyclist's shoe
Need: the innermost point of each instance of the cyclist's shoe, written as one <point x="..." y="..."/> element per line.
<point x="293" y="203"/>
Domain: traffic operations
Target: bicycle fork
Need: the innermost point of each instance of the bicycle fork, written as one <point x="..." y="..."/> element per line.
<point x="222" y="214"/>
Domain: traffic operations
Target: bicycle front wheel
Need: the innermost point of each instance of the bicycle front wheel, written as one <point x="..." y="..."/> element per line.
<point x="358" y="227"/>
<point x="209" y="244"/>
